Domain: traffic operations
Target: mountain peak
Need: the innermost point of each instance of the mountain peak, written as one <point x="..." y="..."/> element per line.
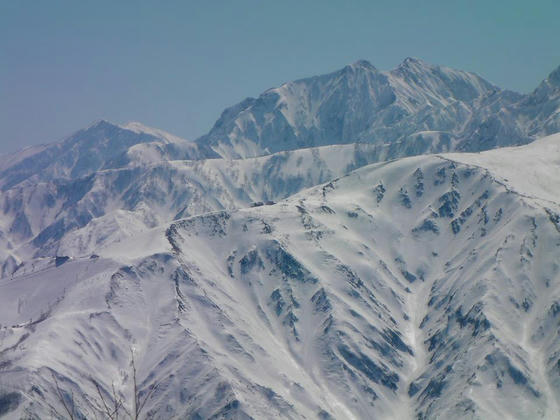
<point x="361" y="65"/>
<point x="553" y="78"/>
<point x="101" y="123"/>
<point x="413" y="62"/>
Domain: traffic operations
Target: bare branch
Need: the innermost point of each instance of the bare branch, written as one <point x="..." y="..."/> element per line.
<point x="135" y="395"/>
<point x="61" y="398"/>
<point x="105" y="406"/>
<point x="153" y="388"/>
<point x="128" y="413"/>
<point x="115" y="401"/>
<point x="102" y="404"/>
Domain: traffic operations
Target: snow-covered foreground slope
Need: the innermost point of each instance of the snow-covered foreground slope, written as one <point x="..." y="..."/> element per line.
<point x="427" y="287"/>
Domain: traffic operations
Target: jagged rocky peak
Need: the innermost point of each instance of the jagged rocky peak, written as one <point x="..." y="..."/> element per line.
<point x="99" y="124"/>
<point x="443" y="81"/>
<point x="333" y="108"/>
<point x="412" y="65"/>
<point x="413" y="62"/>
<point x="361" y="65"/>
<point x="547" y="88"/>
<point x="356" y="104"/>
<point x="541" y="108"/>
<point x="553" y="78"/>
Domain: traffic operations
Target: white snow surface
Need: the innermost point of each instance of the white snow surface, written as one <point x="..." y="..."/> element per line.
<point x="138" y="127"/>
<point x="532" y="170"/>
<point x="426" y="287"/>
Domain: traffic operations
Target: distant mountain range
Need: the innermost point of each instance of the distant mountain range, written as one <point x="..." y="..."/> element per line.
<point x="422" y="107"/>
<point x="301" y="260"/>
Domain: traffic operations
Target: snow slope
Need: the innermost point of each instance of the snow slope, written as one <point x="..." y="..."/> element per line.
<point x="78" y="216"/>
<point x="532" y="170"/>
<point x="425" y="287"/>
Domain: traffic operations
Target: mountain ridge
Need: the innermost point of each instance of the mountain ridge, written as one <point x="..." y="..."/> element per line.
<point x="414" y="97"/>
<point x="496" y="118"/>
<point x="398" y="289"/>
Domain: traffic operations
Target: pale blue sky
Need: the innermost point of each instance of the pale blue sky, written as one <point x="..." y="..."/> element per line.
<point x="176" y="65"/>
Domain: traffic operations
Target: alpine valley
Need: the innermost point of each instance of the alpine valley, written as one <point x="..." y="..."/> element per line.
<point x="363" y="244"/>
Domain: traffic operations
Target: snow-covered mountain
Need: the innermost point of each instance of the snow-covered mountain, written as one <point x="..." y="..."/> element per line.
<point x="425" y="108"/>
<point x="541" y="109"/>
<point x="101" y="146"/>
<point x="426" y="287"/>
<point x="57" y="216"/>
<point x="285" y="266"/>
